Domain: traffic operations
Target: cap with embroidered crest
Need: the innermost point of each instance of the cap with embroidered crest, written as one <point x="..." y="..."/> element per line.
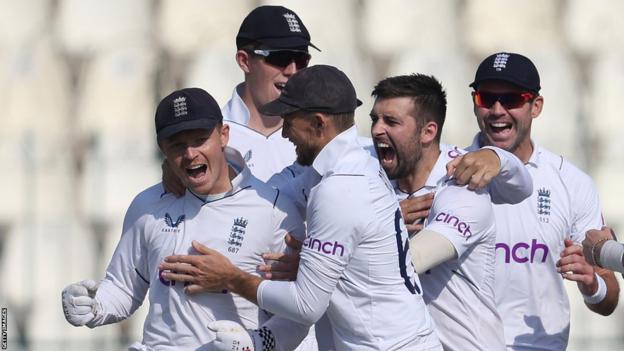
<point x="274" y="28"/>
<point x="509" y="67"/>
<point x="319" y="88"/>
<point x="185" y="109"/>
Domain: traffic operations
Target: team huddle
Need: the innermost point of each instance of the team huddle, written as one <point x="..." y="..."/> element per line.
<point x="277" y="227"/>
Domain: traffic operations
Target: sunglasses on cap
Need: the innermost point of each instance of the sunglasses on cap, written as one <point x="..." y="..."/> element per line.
<point x="283" y="58"/>
<point x="507" y="100"/>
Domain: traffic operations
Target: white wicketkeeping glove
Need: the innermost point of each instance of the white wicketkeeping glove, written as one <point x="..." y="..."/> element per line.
<point x="137" y="346"/>
<point x="232" y="336"/>
<point x="79" y="303"/>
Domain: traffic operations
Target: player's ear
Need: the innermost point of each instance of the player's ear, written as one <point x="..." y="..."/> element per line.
<point x="242" y="59"/>
<point x="319" y="122"/>
<point x="428" y="132"/>
<point x="224" y="134"/>
<point x="536" y="106"/>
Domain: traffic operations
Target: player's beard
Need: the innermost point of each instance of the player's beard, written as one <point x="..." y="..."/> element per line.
<point x="306" y="154"/>
<point x="406" y="164"/>
<point x="406" y="160"/>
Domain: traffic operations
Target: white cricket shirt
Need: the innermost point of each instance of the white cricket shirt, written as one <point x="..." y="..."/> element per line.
<point x="265" y="155"/>
<point x="355" y="264"/>
<point x="249" y="220"/>
<point x="460" y="292"/>
<point x="530" y="294"/>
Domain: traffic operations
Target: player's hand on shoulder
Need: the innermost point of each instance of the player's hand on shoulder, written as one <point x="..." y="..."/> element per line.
<point x="476" y="168"/>
<point x="79" y="303"/>
<point x="170" y="181"/>
<point x="415" y="210"/>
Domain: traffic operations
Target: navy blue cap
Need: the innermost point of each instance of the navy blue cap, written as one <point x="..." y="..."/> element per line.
<point x="190" y="108"/>
<point x="319" y="88"/>
<point x="274" y="28"/>
<point x="508" y="67"/>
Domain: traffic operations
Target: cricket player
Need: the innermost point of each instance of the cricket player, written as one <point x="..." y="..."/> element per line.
<point x="454" y="253"/>
<point x="271" y="45"/>
<point x="225" y="207"/>
<point x="355" y="264"/>
<point x="538" y="240"/>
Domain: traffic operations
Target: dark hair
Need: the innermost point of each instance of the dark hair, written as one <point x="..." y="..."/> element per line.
<point x="343" y="121"/>
<point x="426" y="91"/>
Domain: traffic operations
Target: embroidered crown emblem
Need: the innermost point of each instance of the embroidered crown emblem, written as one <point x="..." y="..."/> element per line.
<point x="241" y="222"/>
<point x="543" y="192"/>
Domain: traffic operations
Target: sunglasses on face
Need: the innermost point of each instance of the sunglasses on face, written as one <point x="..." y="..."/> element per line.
<point x="283" y="58"/>
<point x="507" y="100"/>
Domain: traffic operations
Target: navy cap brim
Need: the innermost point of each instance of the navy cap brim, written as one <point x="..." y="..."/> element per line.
<point x="278" y="108"/>
<point x="171" y="130"/>
<point x="286" y="43"/>
<point x="476" y="83"/>
<point x="281" y="108"/>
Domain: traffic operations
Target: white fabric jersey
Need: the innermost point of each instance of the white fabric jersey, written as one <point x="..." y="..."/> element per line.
<point x="249" y="220"/>
<point x="265" y="156"/>
<point x="460" y="292"/>
<point x="355" y="264"/>
<point x="270" y="159"/>
<point x="530" y="294"/>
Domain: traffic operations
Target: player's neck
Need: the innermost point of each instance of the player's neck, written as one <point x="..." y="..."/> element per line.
<point x="524" y="151"/>
<point x="419" y="175"/>
<point x="265" y="125"/>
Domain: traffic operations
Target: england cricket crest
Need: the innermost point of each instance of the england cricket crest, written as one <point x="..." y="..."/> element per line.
<point x="500" y="62"/>
<point x="237" y="234"/>
<point x="293" y="24"/>
<point x="543" y="205"/>
<point x="179" y="106"/>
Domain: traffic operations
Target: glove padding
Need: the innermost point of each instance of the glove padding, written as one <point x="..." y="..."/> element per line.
<point x="231" y="336"/>
<point x="137" y="346"/>
<point x="79" y="304"/>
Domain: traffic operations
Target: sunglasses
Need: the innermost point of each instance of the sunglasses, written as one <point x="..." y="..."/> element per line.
<point x="508" y="100"/>
<point x="283" y="58"/>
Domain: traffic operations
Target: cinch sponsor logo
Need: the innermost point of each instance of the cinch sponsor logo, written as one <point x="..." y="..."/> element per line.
<point x="462" y="227"/>
<point x="524" y="252"/>
<point x="326" y="247"/>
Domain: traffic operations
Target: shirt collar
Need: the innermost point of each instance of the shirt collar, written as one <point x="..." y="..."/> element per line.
<point x="438" y="173"/>
<point x="235" y="110"/>
<point x="327" y="159"/>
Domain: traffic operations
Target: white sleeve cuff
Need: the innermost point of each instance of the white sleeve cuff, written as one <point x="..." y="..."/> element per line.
<point x="611" y="254"/>
<point x="600" y="294"/>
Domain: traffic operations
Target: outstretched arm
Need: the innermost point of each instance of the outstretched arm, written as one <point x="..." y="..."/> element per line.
<point x="508" y="179"/>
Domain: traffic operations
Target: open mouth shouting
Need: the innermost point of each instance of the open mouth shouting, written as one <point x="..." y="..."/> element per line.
<point x="195" y="173"/>
<point x="387" y="155"/>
